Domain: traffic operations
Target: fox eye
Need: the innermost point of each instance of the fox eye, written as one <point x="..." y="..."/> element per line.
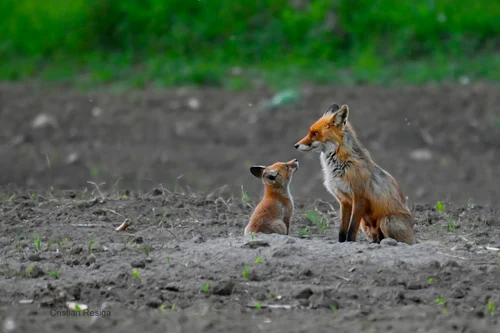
<point x="315" y="133"/>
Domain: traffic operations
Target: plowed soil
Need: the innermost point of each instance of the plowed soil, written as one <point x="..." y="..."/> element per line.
<point x="175" y="165"/>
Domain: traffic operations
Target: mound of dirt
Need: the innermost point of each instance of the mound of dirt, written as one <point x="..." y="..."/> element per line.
<point x="184" y="266"/>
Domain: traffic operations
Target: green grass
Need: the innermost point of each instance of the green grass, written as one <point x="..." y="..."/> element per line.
<point x="118" y="73"/>
<point x="133" y="44"/>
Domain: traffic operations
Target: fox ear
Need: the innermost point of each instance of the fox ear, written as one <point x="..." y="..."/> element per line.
<point x="339" y="117"/>
<point x="334" y="107"/>
<point x="257" y="170"/>
<point x="270" y="176"/>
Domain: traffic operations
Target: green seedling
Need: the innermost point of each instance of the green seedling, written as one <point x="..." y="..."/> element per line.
<point x="135" y="273"/>
<point x="205" y="287"/>
<point x="91" y="245"/>
<point x="451" y="227"/>
<point x="317" y="220"/>
<point x="439" y="300"/>
<point x="272" y="294"/>
<point x="54" y="274"/>
<point x="445" y="311"/>
<point x="49" y="244"/>
<point x="257" y="305"/>
<point x="245" y="272"/>
<point x="259" y="259"/>
<point x="163" y="307"/>
<point x="491" y="308"/>
<point x="173" y="306"/>
<point x="304" y="231"/>
<point x="333" y="308"/>
<point x="146" y="250"/>
<point x="440" y="206"/>
<point x="38" y="243"/>
<point x="244" y="195"/>
<point x="431" y="280"/>
<point x="168" y="260"/>
<point x="252" y="235"/>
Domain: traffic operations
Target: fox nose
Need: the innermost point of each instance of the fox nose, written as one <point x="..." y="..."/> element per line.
<point x="296" y="146"/>
<point x="295" y="160"/>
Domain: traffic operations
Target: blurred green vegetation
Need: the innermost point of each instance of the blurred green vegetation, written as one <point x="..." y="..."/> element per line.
<point x="172" y="42"/>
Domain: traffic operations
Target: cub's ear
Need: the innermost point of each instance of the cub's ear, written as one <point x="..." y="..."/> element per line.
<point x="270" y="176"/>
<point x="339" y="118"/>
<point x="257" y="170"/>
<point x="334" y="107"/>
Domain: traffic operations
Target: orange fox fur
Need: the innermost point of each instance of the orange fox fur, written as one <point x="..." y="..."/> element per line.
<point x="273" y="213"/>
<point x="369" y="196"/>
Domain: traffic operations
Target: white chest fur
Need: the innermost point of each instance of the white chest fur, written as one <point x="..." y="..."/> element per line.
<point x="333" y="171"/>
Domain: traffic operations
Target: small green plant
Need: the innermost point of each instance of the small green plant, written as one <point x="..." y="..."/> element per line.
<point x="205" y="287"/>
<point x="245" y="272"/>
<point x="54" y="274"/>
<point x="94" y="172"/>
<point x="333" y="308"/>
<point x="66" y="240"/>
<point x="491" y="308"/>
<point x="162" y="307"/>
<point x="252" y="235"/>
<point x="440" y="206"/>
<point x="451" y="227"/>
<point x="304" y="231"/>
<point x="431" y="280"/>
<point x="49" y="244"/>
<point x="257" y="305"/>
<point x="37" y="243"/>
<point x="445" y="311"/>
<point x="439" y="300"/>
<point x="77" y="307"/>
<point x="168" y="260"/>
<point x="318" y="220"/>
<point x="259" y="259"/>
<point x="173" y="307"/>
<point x="272" y="294"/>
<point x="146" y="250"/>
<point x="498" y="255"/>
<point x="135" y="273"/>
<point x="91" y="245"/>
<point x="33" y="196"/>
<point x="244" y="195"/>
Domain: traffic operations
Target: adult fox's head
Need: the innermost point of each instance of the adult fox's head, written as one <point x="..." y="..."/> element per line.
<point x="278" y="174"/>
<point x="326" y="132"/>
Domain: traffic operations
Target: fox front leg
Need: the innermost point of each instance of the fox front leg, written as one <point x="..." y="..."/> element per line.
<point x="345" y="217"/>
<point x="358" y="212"/>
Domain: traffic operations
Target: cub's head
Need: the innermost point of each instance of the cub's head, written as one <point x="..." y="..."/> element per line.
<point x="327" y="131"/>
<point x="278" y="174"/>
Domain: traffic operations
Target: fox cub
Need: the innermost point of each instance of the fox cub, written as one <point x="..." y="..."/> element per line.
<point x="273" y="213"/>
<point x="368" y="195"/>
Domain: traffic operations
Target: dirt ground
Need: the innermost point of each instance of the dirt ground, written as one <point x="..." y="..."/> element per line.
<point x="439" y="143"/>
<point x="175" y="164"/>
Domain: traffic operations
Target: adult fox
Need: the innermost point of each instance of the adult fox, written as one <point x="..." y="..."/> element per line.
<point x="368" y="195"/>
